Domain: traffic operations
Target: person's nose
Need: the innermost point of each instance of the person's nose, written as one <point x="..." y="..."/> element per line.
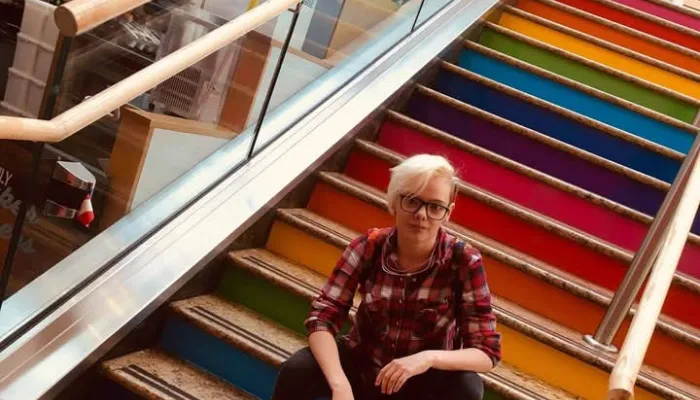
<point x="421" y="213"/>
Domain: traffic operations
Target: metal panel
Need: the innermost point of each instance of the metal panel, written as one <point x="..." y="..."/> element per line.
<point x="62" y="345"/>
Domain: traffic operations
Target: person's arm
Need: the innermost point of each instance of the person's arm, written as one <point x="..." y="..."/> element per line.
<point x="482" y="344"/>
<point x="329" y="311"/>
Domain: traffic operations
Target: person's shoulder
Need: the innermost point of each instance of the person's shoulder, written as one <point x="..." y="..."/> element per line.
<point x="370" y="238"/>
<point x="463" y="251"/>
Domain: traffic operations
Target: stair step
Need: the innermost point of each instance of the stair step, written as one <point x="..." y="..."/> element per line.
<point x="239" y="327"/>
<point x="555" y="121"/>
<point x="504" y="380"/>
<point x="614" y="56"/>
<point x="596" y="215"/>
<point x="538" y="332"/>
<point x="629" y="15"/>
<point x="591" y="102"/>
<point x="154" y="375"/>
<point x="555" y="158"/>
<point x="591" y="73"/>
<point x="668" y="11"/>
<point x="615" y="33"/>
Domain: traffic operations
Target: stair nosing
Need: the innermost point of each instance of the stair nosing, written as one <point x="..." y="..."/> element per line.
<point x="623" y="28"/>
<point x="604" y="44"/>
<point x="692" y="129"/>
<point x="518" y="168"/>
<point x="544" y="139"/>
<point x="575" y="349"/>
<point x="235" y="335"/>
<point x="501" y="386"/>
<point x="592" y="64"/>
<point x="536" y="268"/>
<point x="651" y="17"/>
<point x="566" y="113"/>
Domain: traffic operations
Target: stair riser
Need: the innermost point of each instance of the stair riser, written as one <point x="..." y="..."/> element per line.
<point x="189" y="343"/>
<point x="552" y="124"/>
<point x="593" y="107"/>
<point x="560" y="369"/>
<point x="359" y="215"/>
<point x="645" y="97"/>
<point x="561" y="205"/>
<point x="549" y="360"/>
<point x="626" y="40"/>
<point x="663" y="12"/>
<point x="635" y="22"/>
<point x="537" y="155"/>
<point x="607" y="57"/>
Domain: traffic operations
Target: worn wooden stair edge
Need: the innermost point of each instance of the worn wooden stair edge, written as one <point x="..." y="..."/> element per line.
<point x="582" y="88"/>
<point x="153" y="374"/>
<point x="504" y="379"/>
<point x="528" y="323"/>
<point x="654" y="18"/>
<point x="544" y="139"/>
<point x="622" y="28"/>
<point x="590" y="122"/>
<point x="511" y="257"/>
<point x="592" y="64"/>
<point x="604" y="44"/>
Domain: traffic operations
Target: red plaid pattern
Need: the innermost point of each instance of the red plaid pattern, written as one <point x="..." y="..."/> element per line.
<point x="402" y="314"/>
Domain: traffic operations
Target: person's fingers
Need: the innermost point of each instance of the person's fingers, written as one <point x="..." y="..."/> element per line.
<point x="399" y="383"/>
<point x="390" y="379"/>
<point x="381" y="374"/>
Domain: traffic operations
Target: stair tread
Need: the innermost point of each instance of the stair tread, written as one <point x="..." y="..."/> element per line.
<point x="282" y="272"/>
<point x="504" y="379"/>
<point x="549" y="331"/>
<point x="473" y="45"/>
<point x="565" y="112"/>
<point x="551" y="142"/>
<point x="240" y="327"/>
<point x="603" y="44"/>
<point x="590" y="63"/>
<point x="155" y="375"/>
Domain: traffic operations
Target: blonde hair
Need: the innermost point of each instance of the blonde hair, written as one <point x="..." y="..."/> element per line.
<point x="413" y="175"/>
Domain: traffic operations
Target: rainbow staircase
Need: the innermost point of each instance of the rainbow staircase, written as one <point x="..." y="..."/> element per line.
<point x="567" y="121"/>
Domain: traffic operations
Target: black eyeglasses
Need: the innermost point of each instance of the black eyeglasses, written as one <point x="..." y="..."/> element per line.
<point x="432" y="210"/>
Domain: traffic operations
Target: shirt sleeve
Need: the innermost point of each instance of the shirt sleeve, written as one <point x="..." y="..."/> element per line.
<point x="329" y="311"/>
<point x="478" y="320"/>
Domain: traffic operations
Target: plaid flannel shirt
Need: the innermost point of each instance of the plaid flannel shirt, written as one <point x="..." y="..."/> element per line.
<point x="402" y="314"/>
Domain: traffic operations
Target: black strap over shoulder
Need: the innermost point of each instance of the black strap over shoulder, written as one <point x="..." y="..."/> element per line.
<point x="457" y="287"/>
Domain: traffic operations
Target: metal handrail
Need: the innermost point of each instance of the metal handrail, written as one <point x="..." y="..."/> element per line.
<point x="103" y="103"/>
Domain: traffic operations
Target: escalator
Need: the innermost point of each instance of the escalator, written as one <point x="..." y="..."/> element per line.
<point x="566" y="129"/>
<point x="567" y="122"/>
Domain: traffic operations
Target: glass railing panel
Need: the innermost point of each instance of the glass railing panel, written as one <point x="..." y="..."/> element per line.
<point x="330" y="45"/>
<point x="117" y="165"/>
<point x="428" y="9"/>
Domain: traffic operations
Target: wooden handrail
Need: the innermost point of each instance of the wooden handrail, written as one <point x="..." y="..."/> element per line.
<point x="631" y="357"/>
<point x="101" y="104"/>
<point x="79" y="16"/>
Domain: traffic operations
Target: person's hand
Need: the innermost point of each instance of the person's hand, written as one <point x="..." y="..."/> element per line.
<point x="395" y="374"/>
<point x="343" y="392"/>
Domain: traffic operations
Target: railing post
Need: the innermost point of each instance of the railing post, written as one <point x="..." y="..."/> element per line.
<point x="273" y="82"/>
<point x="644" y="258"/>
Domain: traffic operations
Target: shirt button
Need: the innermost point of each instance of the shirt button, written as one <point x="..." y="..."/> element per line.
<point x="414" y="279"/>
<point x="400" y="301"/>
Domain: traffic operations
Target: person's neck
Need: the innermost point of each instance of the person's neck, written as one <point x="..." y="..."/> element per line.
<point x="413" y="255"/>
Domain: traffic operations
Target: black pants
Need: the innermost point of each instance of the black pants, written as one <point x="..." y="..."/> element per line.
<point x="300" y="378"/>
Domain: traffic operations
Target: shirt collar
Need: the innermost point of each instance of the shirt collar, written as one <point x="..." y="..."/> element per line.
<point x="390" y="258"/>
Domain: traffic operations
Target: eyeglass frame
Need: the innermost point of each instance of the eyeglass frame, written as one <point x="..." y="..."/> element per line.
<point x="424" y="204"/>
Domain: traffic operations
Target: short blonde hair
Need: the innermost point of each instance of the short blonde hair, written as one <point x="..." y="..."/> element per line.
<point x="413" y="175"/>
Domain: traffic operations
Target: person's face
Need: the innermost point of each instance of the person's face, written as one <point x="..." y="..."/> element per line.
<point x="419" y="217"/>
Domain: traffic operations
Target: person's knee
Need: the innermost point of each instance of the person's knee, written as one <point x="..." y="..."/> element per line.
<point x="297" y="367"/>
<point x="468" y="386"/>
